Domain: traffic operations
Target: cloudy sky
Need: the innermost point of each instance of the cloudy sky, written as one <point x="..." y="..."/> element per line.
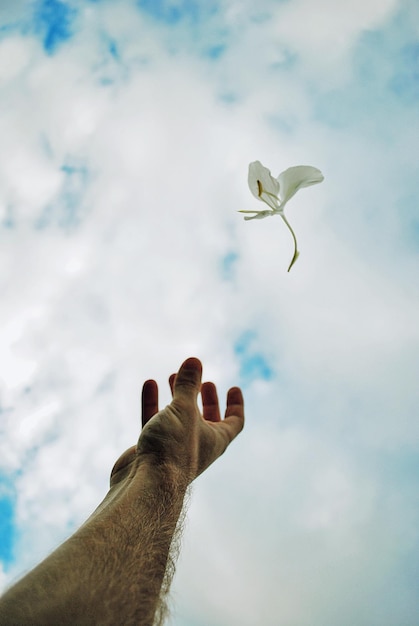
<point x="126" y="132"/>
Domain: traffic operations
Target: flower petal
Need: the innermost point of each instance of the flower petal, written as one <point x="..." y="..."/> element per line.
<point x="259" y="215"/>
<point x="294" y="178"/>
<point x="263" y="185"/>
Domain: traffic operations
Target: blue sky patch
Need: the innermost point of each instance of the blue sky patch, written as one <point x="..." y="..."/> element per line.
<point x="7" y="29"/>
<point x="7" y="528"/>
<point x="8" y="220"/>
<point x="54" y="20"/>
<point x="228" y="265"/>
<point x="405" y="81"/>
<point x="72" y="194"/>
<point x="228" y="97"/>
<point x="172" y="12"/>
<point x="254" y="364"/>
<point x="113" y="49"/>
<point x="67" y="209"/>
<point x="215" y="52"/>
<point x="385" y="80"/>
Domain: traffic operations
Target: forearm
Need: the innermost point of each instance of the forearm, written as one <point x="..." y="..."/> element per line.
<point x="111" y="570"/>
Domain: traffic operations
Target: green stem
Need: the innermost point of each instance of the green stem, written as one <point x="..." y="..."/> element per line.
<point x="296" y="253"/>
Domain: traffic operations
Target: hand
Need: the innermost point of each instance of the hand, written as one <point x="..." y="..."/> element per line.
<point x="179" y="437"/>
<point x="115" y="567"/>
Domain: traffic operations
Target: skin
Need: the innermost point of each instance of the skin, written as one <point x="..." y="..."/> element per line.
<point x="117" y="568"/>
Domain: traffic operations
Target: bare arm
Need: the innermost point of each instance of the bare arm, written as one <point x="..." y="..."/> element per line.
<point x="111" y="571"/>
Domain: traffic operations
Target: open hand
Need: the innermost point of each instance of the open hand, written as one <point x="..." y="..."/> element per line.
<point x="178" y="437"/>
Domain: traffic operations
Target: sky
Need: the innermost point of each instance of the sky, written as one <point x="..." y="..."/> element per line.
<point x="127" y="128"/>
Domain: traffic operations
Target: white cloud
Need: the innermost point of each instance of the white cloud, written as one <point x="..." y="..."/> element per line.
<point x="15" y="55"/>
<point x="289" y="519"/>
<point x="325" y="35"/>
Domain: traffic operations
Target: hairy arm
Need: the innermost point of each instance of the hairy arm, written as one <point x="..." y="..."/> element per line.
<point x="111" y="570"/>
<point x="114" y="568"/>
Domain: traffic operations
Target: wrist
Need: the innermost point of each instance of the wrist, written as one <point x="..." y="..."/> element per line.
<point x="141" y="482"/>
<point x="165" y="475"/>
<point x="157" y="473"/>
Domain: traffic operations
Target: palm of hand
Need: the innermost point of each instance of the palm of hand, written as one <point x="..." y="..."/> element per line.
<point x="179" y="436"/>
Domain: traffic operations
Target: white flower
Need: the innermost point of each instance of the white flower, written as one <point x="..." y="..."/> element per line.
<point x="276" y="192"/>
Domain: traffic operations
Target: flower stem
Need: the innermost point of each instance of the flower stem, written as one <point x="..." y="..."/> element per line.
<point x="296" y="253"/>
